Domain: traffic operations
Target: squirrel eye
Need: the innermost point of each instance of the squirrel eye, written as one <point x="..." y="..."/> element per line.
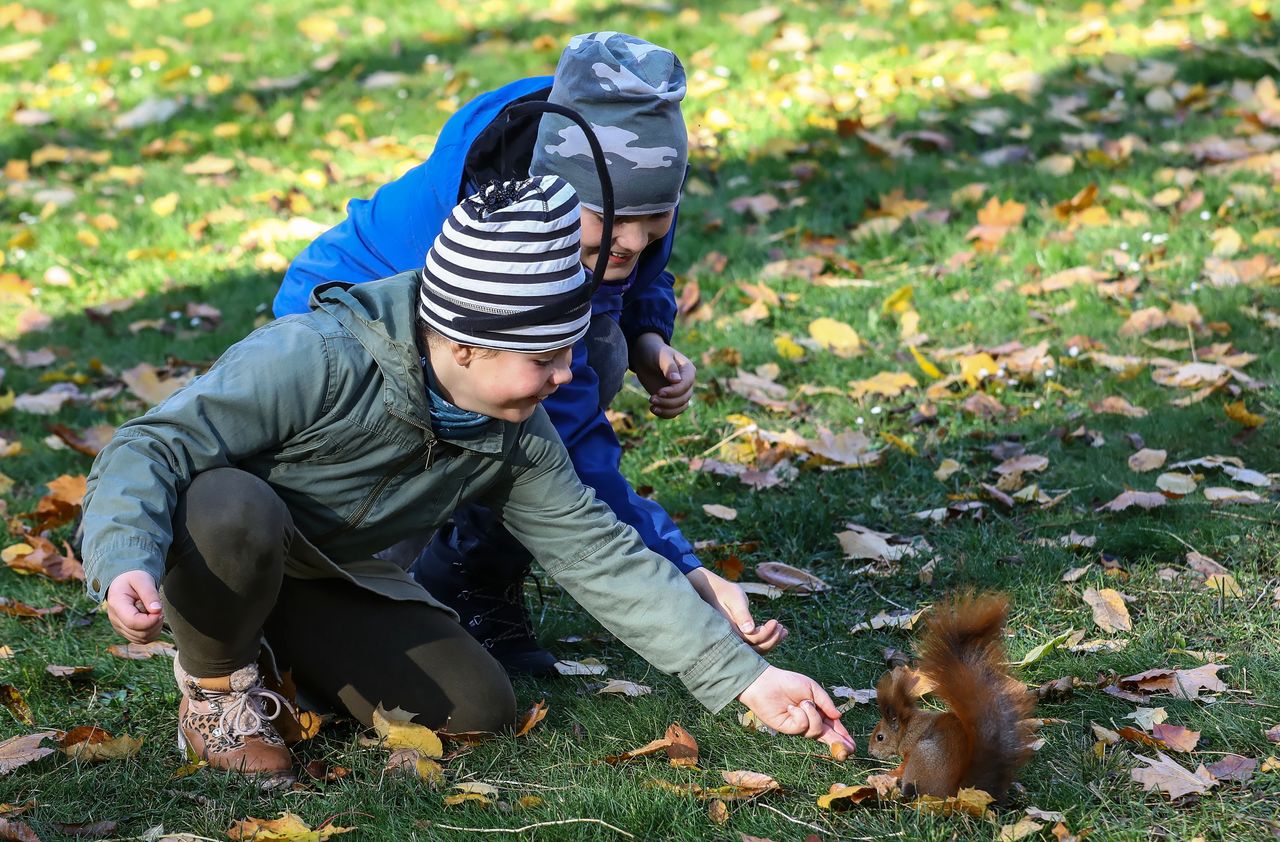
<point x="879" y="738"/>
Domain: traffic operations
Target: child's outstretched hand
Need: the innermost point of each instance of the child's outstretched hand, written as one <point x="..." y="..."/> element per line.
<point x="792" y="703"/>
<point x="133" y="606"/>
<point x="666" y="374"/>
<point x="731" y="601"/>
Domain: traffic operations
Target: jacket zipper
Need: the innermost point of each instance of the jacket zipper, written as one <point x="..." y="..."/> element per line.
<point x="356" y="517"/>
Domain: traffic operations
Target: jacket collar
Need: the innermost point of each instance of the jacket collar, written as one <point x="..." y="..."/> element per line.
<point x="380" y="315"/>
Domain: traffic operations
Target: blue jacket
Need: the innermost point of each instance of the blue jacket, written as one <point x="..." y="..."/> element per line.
<point x="392" y="232"/>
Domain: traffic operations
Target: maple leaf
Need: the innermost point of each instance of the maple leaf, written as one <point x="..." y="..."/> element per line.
<point x="397" y="731"/>
<point x="1164" y="774"/>
<point x="995" y="220"/>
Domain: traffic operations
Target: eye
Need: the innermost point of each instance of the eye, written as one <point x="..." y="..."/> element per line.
<point x="879" y="738"/>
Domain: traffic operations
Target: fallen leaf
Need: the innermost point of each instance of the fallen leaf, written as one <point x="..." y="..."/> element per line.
<point x="837" y="337"/>
<point x="624" y="688"/>
<point x="1116" y="405"/>
<point x="411" y="762"/>
<point x="142" y="651"/>
<point x="718" y="812"/>
<point x="946" y="469"/>
<point x="1176" y="484"/>
<point x="91" y="744"/>
<point x="532" y="717"/>
<point x="1176" y="737"/>
<point x="1237" y="412"/>
<point x="969" y="801"/>
<point x="144" y="381"/>
<point x="888" y="384"/>
<point x="682" y="748"/>
<point x="14" y="608"/>
<point x="1232" y="495"/>
<point x="395" y="733"/>
<point x="718" y="511"/>
<point x="1109" y="610"/>
<point x="23" y="749"/>
<point x="1165" y="774"/>
<point x="841" y="797"/>
<point x="287" y="827"/>
<point x="475" y="792"/>
<point x="790" y="579"/>
<point x="586" y="667"/>
<point x="1141" y="499"/>
<point x="17" y="705"/>
<point x="17" y="831"/>
<point x="1022" y="828"/>
<point x="1224" y="585"/>
<point x="96" y="830"/>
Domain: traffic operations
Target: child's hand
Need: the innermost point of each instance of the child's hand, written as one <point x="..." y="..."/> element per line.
<point x="731" y="601"/>
<point x="133" y="606"/>
<point x="666" y="374"/>
<point x="795" y="704"/>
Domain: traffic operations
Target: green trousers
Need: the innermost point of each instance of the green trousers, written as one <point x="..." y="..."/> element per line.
<point x="349" y="648"/>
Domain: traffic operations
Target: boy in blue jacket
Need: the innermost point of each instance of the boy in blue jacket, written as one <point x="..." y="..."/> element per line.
<point x="630" y="91"/>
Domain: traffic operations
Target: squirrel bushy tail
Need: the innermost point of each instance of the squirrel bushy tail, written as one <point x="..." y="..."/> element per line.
<point x="963" y="656"/>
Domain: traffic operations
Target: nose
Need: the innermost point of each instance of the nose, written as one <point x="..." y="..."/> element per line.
<point x="629" y="235"/>
<point x="561" y="374"/>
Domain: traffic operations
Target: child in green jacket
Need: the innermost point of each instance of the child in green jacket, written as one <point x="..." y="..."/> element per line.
<point x="248" y="507"/>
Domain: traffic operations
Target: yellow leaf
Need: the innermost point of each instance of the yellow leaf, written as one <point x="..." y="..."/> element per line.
<point x="1227" y="242"/>
<point x="288" y="827"/>
<point x="837" y="337"/>
<point x="218" y="83"/>
<point x="1237" y="412"/>
<point x="927" y="367"/>
<point x="903" y="445"/>
<point x="195" y="20"/>
<point x="975" y="368"/>
<point x="1109" y="610"/>
<point x="899" y="301"/>
<point x="318" y="28"/>
<point x="165" y="205"/>
<point x="87" y="238"/>
<point x="787" y="347"/>
<point x="397" y="734"/>
<point x="16" y="551"/>
<point x="889" y="384"/>
<point x="1220" y="583"/>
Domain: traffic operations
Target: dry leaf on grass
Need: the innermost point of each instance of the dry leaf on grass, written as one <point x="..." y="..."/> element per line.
<point x="395" y="730"/>
<point x="1109" y="610"/>
<point x="790" y="579"/>
<point x="1147" y="459"/>
<point x="1175" y="737"/>
<point x="969" y="801"/>
<point x="1233" y="767"/>
<point x="587" y="666"/>
<point x="1141" y="499"/>
<point x="287" y="827"/>
<point x="1180" y="683"/>
<point x="92" y="744"/>
<point x="23" y="749"/>
<point x="1164" y="774"/>
<point x="718" y="511"/>
<point x="17" y="705"/>
<point x="142" y="651"/>
<point x="14" y="608"/>
<point x="411" y="762"/>
<point x="535" y="714"/>
<point x="16" y="831"/>
<point x="624" y="688"/>
<point x="1175" y="484"/>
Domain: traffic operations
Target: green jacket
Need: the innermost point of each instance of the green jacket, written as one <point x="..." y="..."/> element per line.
<point x="330" y="409"/>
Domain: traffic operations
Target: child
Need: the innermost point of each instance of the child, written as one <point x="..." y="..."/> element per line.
<point x="630" y="90"/>
<point x="257" y="495"/>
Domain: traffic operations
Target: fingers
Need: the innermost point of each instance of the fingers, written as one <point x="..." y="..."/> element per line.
<point x="834" y="733"/>
<point x="764" y="638"/>
<point x="823" y="702"/>
<point x="806" y="720"/>
<point x="133" y="606"/>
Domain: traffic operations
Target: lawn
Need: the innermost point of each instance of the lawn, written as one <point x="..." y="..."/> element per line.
<point x="1032" y="239"/>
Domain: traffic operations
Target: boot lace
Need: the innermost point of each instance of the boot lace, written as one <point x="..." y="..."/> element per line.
<point x="245" y="715"/>
<point x="508" y="617"/>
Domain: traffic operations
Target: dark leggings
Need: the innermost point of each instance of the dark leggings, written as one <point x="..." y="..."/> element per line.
<point x="347" y="647"/>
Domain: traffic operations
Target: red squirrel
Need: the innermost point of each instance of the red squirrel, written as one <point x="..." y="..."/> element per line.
<point x="982" y="739"/>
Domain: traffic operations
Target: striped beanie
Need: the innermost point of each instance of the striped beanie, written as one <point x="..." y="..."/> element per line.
<point x="506" y="270"/>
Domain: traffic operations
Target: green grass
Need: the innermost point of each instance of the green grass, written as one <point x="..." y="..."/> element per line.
<point x="873" y="61"/>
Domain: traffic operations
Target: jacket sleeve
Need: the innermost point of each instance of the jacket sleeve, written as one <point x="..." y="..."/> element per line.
<point x="225" y="415"/>
<point x="574" y="410"/>
<point x="649" y="306"/>
<point x="644" y="601"/>
<point x="381" y="236"/>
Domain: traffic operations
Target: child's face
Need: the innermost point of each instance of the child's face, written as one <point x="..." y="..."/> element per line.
<point x="631" y="235"/>
<point x="507" y="384"/>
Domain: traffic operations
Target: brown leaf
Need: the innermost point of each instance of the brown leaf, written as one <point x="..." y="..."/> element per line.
<point x="644" y="751"/>
<point x="1166" y="775"/>
<point x="1116" y="405"/>
<point x="142" y="651"/>
<point x="12" y="699"/>
<point x="14" y="608"/>
<point x="535" y="714"/>
<point x="97" y="830"/>
<point x="789" y="578"/>
<point x="72" y="673"/>
<point x="1233" y="767"/>
<point x="16" y="831"/>
<point x="840" y="797"/>
<point x="23" y="749"/>
<point x="682" y="748"/>
<point x="145" y="382"/>
<point x="749" y="780"/>
<point x="89" y="743"/>
<point x="1141" y="499"/>
<point x="89" y="441"/>
<point x="1109" y="610"/>
<point x="1176" y="737"/>
<point x="718" y="812"/>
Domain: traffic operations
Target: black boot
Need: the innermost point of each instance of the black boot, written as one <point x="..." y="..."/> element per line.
<point x="487" y="591"/>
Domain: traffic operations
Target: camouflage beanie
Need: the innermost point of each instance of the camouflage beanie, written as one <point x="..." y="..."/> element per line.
<point x="629" y="91"/>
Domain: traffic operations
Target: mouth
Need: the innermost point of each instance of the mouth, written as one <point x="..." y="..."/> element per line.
<point x="620" y="258"/>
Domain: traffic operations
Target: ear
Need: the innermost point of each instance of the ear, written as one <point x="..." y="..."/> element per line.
<point x="462" y="354"/>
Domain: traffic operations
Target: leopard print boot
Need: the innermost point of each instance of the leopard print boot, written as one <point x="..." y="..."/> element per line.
<point x="228" y="721"/>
